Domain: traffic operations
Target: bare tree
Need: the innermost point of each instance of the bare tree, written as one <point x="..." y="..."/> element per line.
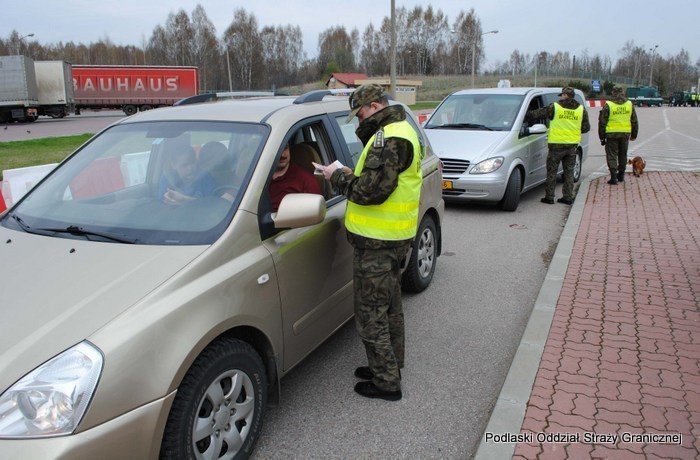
<point x="466" y="30"/>
<point x="180" y="35"/>
<point x="335" y="51"/>
<point x="205" y="49"/>
<point x="243" y="40"/>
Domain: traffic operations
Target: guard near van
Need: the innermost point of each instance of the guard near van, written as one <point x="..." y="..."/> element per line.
<point x="569" y="120"/>
<point x="617" y="125"/>
<point x="381" y="220"/>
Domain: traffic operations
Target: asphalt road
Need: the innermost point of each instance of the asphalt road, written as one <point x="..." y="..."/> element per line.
<point x="87" y="122"/>
<point x="462" y="332"/>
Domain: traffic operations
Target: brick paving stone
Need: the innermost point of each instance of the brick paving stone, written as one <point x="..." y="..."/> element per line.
<point x="578" y="450"/>
<point x="627" y="325"/>
<point x="527" y="451"/>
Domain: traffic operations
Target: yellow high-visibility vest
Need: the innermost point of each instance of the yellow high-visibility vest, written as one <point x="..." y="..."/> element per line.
<point x="565" y="127"/>
<point x="620" y="117"/>
<point x="395" y="219"/>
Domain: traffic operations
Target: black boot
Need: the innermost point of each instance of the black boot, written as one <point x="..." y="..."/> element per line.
<point x="613" y="179"/>
<point x="370" y="390"/>
<point x="621" y="176"/>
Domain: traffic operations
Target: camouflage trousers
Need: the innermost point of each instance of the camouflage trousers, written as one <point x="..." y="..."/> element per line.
<point x="567" y="157"/>
<point x="379" y="313"/>
<point x="616" y="153"/>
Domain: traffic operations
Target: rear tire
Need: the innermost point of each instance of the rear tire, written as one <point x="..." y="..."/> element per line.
<point x="511" y="198"/>
<point x="423" y="259"/>
<point x="578" y="167"/>
<point x="218" y="409"/>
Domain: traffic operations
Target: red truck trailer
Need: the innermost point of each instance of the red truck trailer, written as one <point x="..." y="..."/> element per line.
<point x="132" y="88"/>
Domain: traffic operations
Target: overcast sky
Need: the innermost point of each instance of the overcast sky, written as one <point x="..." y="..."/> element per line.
<point x="598" y="26"/>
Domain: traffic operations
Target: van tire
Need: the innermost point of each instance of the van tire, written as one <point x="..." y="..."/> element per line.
<point x="578" y="167"/>
<point x="227" y="386"/>
<point x="511" y="198"/>
<point x="423" y="258"/>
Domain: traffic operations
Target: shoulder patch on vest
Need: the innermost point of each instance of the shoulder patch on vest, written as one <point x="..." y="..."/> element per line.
<point x="379" y="139"/>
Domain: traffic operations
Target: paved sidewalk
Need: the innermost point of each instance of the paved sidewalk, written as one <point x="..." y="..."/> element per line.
<point x="609" y="365"/>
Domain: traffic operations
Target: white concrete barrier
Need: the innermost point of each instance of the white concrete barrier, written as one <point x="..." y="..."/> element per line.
<point x="17" y="182"/>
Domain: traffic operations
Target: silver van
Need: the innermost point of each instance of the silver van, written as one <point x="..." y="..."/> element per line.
<point x="489" y="152"/>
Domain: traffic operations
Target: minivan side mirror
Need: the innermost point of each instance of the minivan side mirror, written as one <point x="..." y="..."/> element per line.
<point x="538" y="128"/>
<point x="300" y="210"/>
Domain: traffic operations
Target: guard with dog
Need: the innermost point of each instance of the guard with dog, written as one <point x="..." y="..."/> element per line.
<point x="617" y="125"/>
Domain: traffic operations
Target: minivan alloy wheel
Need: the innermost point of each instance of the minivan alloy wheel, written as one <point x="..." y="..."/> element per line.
<point x="218" y="410"/>
<point x="421" y="265"/>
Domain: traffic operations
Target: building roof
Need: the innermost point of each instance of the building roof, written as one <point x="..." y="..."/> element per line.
<point x="347" y="79"/>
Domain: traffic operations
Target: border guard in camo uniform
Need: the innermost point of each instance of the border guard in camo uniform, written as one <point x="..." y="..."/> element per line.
<point x="569" y="120"/>
<point x="617" y="126"/>
<point x="381" y="219"/>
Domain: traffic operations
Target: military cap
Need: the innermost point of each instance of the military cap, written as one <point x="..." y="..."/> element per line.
<point x="567" y="90"/>
<point x="364" y="95"/>
<point x="617" y="91"/>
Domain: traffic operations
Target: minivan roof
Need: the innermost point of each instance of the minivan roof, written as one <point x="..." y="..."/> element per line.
<point x="522" y="90"/>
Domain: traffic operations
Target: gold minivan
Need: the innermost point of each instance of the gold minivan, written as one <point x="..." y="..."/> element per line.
<point x="139" y="324"/>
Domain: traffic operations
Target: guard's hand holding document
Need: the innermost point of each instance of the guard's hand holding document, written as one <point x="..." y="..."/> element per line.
<point x="326" y="171"/>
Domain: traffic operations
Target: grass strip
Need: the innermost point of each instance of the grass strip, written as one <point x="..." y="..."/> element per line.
<point x="36" y="152"/>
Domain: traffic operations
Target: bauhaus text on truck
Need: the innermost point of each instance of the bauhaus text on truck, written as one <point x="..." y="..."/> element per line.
<point x="132" y="88"/>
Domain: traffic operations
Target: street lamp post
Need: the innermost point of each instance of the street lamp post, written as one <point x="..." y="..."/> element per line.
<point x="651" y="68"/>
<point x="228" y="66"/>
<point x="474" y="53"/>
<point x="19" y="42"/>
<point x="392" y="65"/>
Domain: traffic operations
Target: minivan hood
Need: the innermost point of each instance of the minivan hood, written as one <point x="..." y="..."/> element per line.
<point x="56" y="292"/>
<point x="461" y="144"/>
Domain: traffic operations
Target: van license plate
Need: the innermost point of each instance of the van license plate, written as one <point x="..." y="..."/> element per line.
<point x="447" y="185"/>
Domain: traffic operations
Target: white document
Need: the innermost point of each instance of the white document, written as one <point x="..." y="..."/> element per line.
<point x="319" y="168"/>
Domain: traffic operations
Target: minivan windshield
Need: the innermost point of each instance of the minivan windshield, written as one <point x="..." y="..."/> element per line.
<point x="489" y="112"/>
<point x="158" y="183"/>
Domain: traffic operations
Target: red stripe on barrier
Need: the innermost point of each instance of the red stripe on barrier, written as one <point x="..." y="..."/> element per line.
<point x="3" y="206"/>
<point x="596" y="103"/>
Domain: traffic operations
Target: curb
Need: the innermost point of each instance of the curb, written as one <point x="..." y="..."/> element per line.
<point x="509" y="412"/>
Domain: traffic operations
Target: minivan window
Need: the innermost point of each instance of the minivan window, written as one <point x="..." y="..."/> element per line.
<point x="166" y="183"/>
<point x="490" y="112"/>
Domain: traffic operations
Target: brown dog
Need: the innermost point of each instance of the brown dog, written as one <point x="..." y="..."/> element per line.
<point x="638" y="165"/>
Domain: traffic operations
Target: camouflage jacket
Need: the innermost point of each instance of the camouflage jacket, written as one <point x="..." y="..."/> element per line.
<point x="380" y="175"/>
<point x="548" y="113"/>
<point x="605" y="114"/>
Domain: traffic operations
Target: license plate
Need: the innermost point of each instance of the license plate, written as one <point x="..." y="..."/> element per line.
<point x="447" y="185"/>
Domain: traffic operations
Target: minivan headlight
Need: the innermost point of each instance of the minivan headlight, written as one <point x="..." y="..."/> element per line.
<point x="52" y="399"/>
<point x="487" y="166"/>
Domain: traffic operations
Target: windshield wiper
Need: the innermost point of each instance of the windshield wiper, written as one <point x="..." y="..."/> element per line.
<point x="461" y="126"/>
<point x="80" y="231"/>
<point x="21" y="223"/>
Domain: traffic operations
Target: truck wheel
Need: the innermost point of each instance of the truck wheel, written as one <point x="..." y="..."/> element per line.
<point x="145" y="107"/>
<point x="129" y="109"/>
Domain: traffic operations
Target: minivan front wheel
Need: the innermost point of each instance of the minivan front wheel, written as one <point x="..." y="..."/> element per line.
<point x="218" y="410"/>
<point x="423" y="258"/>
<point x="511" y="198"/>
